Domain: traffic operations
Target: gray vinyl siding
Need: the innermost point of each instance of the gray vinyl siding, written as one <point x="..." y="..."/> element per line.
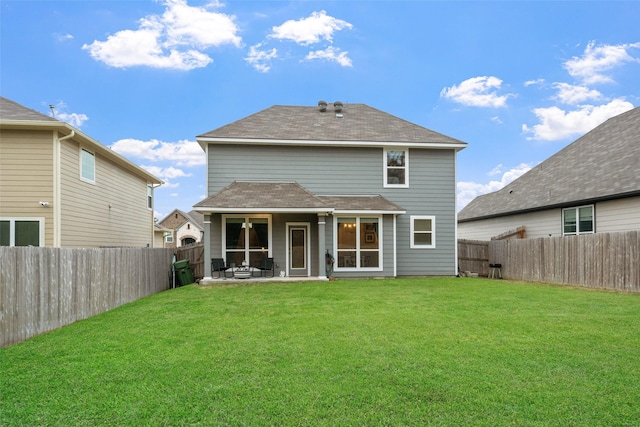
<point x="111" y="212"/>
<point x="537" y="224"/>
<point x="358" y="171"/>
<point x="611" y="216"/>
<point x="618" y="215"/>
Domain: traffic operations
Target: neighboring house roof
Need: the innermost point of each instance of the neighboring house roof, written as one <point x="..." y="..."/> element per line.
<point x="16" y="116"/>
<point x="245" y="196"/>
<point x="197" y="218"/>
<point x="601" y="165"/>
<point x="354" y="124"/>
<point x="194" y="217"/>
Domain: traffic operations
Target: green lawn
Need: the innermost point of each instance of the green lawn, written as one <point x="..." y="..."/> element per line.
<point x="446" y="351"/>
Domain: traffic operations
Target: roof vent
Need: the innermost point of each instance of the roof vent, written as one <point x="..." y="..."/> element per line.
<point x="322" y="106"/>
<point x="337" y="106"/>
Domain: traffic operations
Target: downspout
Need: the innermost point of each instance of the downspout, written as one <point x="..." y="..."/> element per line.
<point x="57" y="209"/>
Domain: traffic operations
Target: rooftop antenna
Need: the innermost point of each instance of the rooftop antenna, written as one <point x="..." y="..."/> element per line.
<point x="53" y="110"/>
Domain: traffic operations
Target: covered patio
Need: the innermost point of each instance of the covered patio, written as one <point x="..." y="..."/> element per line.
<point x="249" y="221"/>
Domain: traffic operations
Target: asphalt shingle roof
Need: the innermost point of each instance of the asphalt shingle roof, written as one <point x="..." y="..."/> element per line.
<point x="251" y="195"/>
<point x="602" y="164"/>
<point x="10" y="110"/>
<point x="358" y="123"/>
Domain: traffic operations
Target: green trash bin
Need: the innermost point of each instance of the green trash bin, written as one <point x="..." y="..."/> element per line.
<point x="183" y="272"/>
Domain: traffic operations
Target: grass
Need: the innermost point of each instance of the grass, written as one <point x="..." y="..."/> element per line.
<point x="446" y="351"/>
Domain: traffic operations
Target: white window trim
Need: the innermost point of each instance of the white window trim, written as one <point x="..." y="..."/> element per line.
<point x="82" y="178"/>
<point x="223" y="242"/>
<point x="168" y="238"/>
<point x="433" y="231"/>
<point x="577" y="210"/>
<point x="150" y="196"/>
<point x="12" y="228"/>
<point x="406" y="167"/>
<point x="358" y="258"/>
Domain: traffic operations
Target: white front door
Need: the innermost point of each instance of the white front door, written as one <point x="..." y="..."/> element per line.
<point x="298" y="249"/>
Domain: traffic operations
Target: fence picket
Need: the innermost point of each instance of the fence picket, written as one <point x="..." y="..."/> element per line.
<point x="42" y="289"/>
<point x="601" y="260"/>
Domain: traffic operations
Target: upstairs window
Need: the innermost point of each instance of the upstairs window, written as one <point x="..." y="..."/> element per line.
<point x="87" y="166"/>
<point x="150" y="196"/>
<point x="396" y="168"/>
<point x="578" y="220"/>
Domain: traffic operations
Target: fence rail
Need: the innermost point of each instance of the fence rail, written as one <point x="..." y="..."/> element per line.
<point x="42" y="289"/>
<point x="601" y="260"/>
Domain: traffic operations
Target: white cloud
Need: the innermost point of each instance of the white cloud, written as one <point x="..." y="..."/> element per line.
<point x="318" y="26"/>
<point x="261" y="59"/>
<point x="166" y="174"/>
<point x="556" y="123"/>
<point x="477" y="92"/>
<point x="62" y="37"/>
<point x="596" y="61"/>
<point x="467" y="191"/>
<point x="533" y="82"/>
<point x="182" y="153"/>
<point x="173" y="40"/>
<point x="330" y="54"/>
<point x="574" y="95"/>
<point x="74" y="119"/>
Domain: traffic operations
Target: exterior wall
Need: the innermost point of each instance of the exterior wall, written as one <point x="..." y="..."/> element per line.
<point x="173" y="221"/>
<point x="353" y="170"/>
<point x="26" y="177"/>
<point x="187" y="230"/>
<point x="110" y="212"/>
<point x="618" y="215"/>
<point x="538" y="224"/>
<point x="611" y="216"/>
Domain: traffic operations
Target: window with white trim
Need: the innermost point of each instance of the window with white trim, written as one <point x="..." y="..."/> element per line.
<point x="150" y="196"/>
<point x="579" y="220"/>
<point x="87" y="166"/>
<point x="396" y="168"/>
<point x="246" y="239"/>
<point x="21" y="231"/>
<point x="423" y="231"/>
<point x="358" y="241"/>
<point x="168" y="237"/>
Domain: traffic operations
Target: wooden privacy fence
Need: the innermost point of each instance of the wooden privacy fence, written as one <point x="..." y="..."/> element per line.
<point x="473" y="256"/>
<point x="601" y="260"/>
<point x="195" y="254"/>
<point x="42" y="289"/>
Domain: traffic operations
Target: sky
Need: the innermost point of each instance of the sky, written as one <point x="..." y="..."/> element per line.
<point x="516" y="80"/>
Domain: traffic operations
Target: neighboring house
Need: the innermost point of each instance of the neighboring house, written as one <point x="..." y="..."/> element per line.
<point x="591" y="186"/>
<point x="61" y="188"/>
<point x="185" y="228"/>
<point x="160" y="235"/>
<point x="305" y="185"/>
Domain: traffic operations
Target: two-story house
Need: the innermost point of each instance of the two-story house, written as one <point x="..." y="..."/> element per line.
<point x="337" y="189"/>
<point x="590" y="186"/>
<point x="185" y="228"/>
<point x="61" y="188"/>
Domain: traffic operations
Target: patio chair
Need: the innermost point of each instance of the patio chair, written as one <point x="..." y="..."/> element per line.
<point x="218" y="266"/>
<point x="267" y="265"/>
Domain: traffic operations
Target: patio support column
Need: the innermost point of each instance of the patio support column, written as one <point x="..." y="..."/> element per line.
<point x="207" y="246"/>
<point x="322" y="272"/>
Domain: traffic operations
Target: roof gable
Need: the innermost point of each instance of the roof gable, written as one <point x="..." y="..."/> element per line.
<point x="602" y="164"/>
<point x="355" y="123"/>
